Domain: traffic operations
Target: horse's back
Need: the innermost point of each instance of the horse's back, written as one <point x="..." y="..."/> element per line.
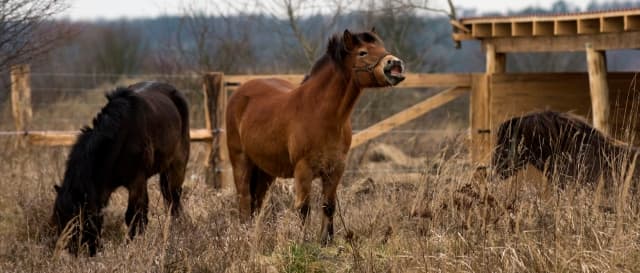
<point x="162" y="125"/>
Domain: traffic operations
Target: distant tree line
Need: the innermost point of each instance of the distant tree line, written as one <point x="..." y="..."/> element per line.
<point x="286" y="42"/>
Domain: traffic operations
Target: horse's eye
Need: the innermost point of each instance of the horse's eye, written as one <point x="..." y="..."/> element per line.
<point x="362" y="53"/>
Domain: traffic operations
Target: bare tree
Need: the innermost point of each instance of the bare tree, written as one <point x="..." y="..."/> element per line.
<point x="119" y="49"/>
<point x="208" y="40"/>
<point x="27" y="31"/>
<point x="310" y="41"/>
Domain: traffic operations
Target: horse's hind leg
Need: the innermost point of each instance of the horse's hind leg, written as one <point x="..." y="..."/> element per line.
<point x="260" y="183"/>
<point x="171" y="187"/>
<point x="242" y="168"/>
<point x="136" y="215"/>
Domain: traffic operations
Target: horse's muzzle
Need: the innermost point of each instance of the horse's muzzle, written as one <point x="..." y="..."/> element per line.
<point x="394" y="71"/>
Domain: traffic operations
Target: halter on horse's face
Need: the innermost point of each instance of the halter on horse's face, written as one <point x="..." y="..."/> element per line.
<point x="373" y="65"/>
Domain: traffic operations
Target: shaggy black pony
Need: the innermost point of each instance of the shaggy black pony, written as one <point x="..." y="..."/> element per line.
<point x="563" y="146"/>
<point x="143" y="130"/>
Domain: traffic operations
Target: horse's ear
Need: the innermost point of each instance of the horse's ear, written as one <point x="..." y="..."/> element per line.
<point x="373" y="30"/>
<point x="57" y="188"/>
<point x="347" y="38"/>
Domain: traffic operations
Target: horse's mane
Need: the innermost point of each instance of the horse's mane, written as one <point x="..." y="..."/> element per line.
<point x="336" y="51"/>
<point x="94" y="145"/>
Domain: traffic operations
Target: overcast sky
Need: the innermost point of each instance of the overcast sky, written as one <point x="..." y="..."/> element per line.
<point x="111" y="9"/>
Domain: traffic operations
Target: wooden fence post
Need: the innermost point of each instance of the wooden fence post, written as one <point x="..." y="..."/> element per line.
<point x="599" y="88"/>
<point x="215" y="97"/>
<point x="480" y="120"/>
<point x="21" y="96"/>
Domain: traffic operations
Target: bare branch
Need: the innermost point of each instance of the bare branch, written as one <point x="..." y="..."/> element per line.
<point x="27" y="29"/>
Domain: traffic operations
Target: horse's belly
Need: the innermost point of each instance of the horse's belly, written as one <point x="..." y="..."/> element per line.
<point x="275" y="166"/>
<point x="270" y="156"/>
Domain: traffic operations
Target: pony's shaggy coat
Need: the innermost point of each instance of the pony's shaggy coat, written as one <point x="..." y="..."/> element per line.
<point x="143" y="130"/>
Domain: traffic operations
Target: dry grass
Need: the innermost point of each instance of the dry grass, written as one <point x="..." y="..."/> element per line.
<point x="459" y="224"/>
<point x="432" y="213"/>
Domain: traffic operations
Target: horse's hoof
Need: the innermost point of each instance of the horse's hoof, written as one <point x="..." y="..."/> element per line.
<point x="326" y="240"/>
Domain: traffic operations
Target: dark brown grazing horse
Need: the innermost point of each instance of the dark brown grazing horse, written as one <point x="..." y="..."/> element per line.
<point x="143" y="130"/>
<point x="560" y="145"/>
<point x="278" y="129"/>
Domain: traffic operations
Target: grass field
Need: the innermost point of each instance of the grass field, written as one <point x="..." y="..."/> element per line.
<point x="409" y="203"/>
<point x="439" y="220"/>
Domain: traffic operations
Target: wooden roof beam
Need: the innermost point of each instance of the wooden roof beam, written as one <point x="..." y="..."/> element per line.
<point x="589" y="26"/>
<point x="612" y="24"/>
<point x="543" y="28"/>
<point x="568" y="27"/>
<point x="574" y="43"/>
<point x="632" y="22"/>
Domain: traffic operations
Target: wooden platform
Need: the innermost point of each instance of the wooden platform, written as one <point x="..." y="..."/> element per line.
<point x="613" y="29"/>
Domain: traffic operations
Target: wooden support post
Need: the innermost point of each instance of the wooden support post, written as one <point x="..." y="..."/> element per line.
<point x="21" y="96"/>
<point x="496" y="62"/>
<point x="215" y="97"/>
<point x="599" y="88"/>
<point x="480" y="131"/>
<point x="407" y="115"/>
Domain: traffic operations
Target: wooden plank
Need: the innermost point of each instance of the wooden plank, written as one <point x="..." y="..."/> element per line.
<point x="480" y="127"/>
<point x="412" y="80"/>
<point x="612" y="24"/>
<point x="522" y="29"/>
<point x="239" y="79"/>
<point x="568" y="27"/>
<point x="21" y="96"/>
<point x="407" y="115"/>
<point x="436" y="80"/>
<point x="461" y="36"/>
<point x="602" y="41"/>
<point x="599" y="89"/>
<point x="517" y="94"/>
<point x="215" y="96"/>
<point x="543" y="28"/>
<point x="67" y="138"/>
<point x="589" y="26"/>
<point x="459" y="26"/>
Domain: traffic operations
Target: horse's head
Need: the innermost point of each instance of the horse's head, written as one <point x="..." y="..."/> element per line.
<point x="365" y="57"/>
<point x="511" y="153"/>
<point x="73" y="225"/>
<point x="64" y="211"/>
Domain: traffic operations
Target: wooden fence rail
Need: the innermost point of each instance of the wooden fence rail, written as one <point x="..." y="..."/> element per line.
<point x="214" y="90"/>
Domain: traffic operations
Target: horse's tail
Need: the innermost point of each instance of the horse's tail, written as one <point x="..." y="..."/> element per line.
<point x="183" y="107"/>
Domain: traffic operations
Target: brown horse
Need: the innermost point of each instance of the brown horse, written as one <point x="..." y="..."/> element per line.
<point x="560" y="145"/>
<point x="277" y="129"/>
<point x="143" y="130"/>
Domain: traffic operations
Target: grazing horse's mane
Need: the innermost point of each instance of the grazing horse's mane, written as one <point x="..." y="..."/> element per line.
<point x="94" y="145"/>
<point x="336" y="50"/>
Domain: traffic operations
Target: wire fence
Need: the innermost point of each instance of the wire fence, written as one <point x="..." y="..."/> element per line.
<point x="69" y="101"/>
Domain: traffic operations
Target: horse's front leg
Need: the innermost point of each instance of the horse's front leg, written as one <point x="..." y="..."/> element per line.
<point x="330" y="182"/>
<point x="303" y="175"/>
<point x="136" y="215"/>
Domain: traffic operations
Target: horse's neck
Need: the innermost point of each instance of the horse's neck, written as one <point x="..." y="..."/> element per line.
<point x="335" y="93"/>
